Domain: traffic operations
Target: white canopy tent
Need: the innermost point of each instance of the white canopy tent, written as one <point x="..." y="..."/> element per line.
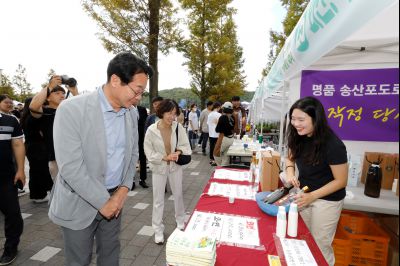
<point x="373" y="44"/>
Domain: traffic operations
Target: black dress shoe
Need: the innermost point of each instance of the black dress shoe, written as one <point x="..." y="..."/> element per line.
<point x="143" y="184"/>
<point x="8" y="257"/>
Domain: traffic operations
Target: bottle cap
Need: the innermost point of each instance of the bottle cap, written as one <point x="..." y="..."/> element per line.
<point x="281" y="209"/>
<point x="293" y="207"/>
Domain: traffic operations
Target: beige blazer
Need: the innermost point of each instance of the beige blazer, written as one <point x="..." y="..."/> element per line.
<point x="155" y="150"/>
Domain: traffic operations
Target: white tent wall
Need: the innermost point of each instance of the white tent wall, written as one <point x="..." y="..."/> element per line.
<point x="273" y="108"/>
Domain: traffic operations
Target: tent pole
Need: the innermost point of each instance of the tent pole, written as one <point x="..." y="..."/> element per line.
<point x="283" y="114"/>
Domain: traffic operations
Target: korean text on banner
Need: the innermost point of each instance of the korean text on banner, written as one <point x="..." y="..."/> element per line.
<point x="361" y="105"/>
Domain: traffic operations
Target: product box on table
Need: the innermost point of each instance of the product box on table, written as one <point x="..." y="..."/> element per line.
<point x="270" y="163"/>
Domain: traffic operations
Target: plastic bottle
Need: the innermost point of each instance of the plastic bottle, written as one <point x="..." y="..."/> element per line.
<point x="281" y="222"/>
<point x="277" y="194"/>
<point x="253" y="167"/>
<point x="291" y="197"/>
<point x="293" y="218"/>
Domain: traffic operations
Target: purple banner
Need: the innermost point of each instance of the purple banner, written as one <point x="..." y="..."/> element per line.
<point x="361" y="105"/>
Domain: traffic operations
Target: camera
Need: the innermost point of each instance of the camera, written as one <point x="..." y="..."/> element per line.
<point x="71" y="82"/>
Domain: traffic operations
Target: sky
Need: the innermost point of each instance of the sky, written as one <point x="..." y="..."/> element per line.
<point x="58" y="34"/>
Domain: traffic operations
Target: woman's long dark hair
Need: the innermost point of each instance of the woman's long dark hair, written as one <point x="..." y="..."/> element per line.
<point x="315" y="110"/>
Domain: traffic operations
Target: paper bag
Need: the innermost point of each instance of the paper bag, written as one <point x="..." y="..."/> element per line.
<point x="388" y="169"/>
<point x="270" y="162"/>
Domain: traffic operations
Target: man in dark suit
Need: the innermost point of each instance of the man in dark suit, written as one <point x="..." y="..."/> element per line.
<point x="142" y="157"/>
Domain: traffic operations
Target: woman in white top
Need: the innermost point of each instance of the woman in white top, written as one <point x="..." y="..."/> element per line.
<point x="162" y="150"/>
<point x="212" y="122"/>
<point x="193" y="125"/>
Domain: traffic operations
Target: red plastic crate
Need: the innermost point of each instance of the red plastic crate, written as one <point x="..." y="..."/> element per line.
<point x="360" y="241"/>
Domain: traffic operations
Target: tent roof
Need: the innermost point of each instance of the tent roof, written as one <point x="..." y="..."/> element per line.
<point x="371" y="24"/>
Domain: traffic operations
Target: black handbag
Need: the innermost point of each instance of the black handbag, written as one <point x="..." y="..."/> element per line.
<point x="182" y="159"/>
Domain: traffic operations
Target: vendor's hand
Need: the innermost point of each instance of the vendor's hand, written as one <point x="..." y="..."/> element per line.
<point x="305" y="199"/>
<point x="293" y="180"/>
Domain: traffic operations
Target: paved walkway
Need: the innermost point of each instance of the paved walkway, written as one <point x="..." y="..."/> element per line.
<point x="42" y="243"/>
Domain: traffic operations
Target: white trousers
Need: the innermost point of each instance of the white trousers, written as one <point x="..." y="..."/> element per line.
<point x="224" y="158"/>
<point x="321" y="218"/>
<point x="175" y="182"/>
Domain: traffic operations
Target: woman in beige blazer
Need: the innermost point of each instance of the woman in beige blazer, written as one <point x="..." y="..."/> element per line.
<point x="162" y="150"/>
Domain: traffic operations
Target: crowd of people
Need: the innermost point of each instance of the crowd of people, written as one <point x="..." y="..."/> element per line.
<point x="66" y="158"/>
<point x="58" y="142"/>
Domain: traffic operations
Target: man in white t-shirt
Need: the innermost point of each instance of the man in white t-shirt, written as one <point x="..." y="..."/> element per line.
<point x="193" y="125"/>
<point x="212" y="122"/>
<point x="204" y="126"/>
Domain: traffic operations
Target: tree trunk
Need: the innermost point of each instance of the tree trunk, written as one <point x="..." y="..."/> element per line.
<point x="203" y="63"/>
<point x="154" y="25"/>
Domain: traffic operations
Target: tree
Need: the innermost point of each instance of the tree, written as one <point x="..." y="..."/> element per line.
<point x="141" y="27"/>
<point x="51" y="73"/>
<point x="21" y="85"/>
<point x="226" y="75"/>
<point x="214" y="58"/>
<point x="6" y="86"/>
<point x="295" y="9"/>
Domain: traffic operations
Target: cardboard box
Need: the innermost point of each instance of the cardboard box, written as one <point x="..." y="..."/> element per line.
<point x="388" y="166"/>
<point x="269" y="178"/>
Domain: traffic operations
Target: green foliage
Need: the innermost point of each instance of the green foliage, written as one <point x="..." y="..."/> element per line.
<point x="21" y="85"/>
<point x="268" y="126"/>
<point x="214" y="58"/>
<point x="126" y="25"/>
<point x="141" y="27"/>
<point x="18" y="88"/>
<point x="6" y="86"/>
<point x="295" y="9"/>
<point x="180" y="93"/>
<point x="51" y="73"/>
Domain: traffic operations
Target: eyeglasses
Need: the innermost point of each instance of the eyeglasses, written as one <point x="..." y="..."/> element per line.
<point x="134" y="92"/>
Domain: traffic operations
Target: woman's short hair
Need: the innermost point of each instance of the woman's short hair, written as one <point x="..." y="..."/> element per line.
<point x="167" y="106"/>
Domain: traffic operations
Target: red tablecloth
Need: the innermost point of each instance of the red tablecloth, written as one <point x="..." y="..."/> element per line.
<point x="237" y="256"/>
